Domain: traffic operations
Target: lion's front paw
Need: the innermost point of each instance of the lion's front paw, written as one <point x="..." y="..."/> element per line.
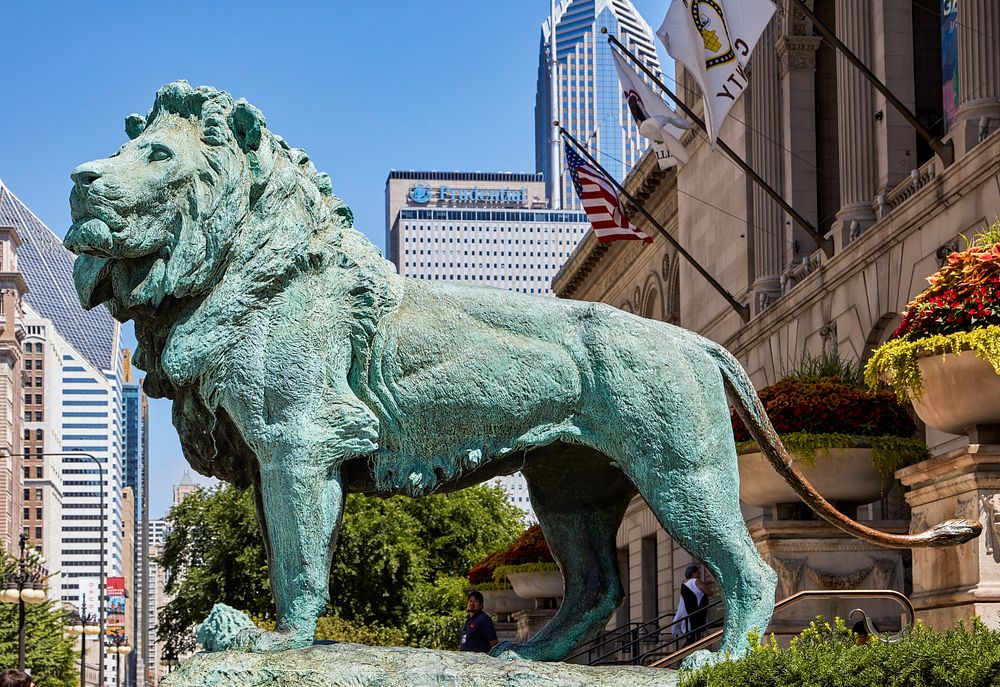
<point x="257" y="641"/>
<point x="221" y="628"/>
<point x="508" y="651"/>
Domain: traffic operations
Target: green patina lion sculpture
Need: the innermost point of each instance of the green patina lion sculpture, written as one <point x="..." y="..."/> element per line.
<point x="301" y="364"/>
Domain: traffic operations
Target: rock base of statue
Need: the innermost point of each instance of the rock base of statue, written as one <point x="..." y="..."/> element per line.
<point x="353" y="665"/>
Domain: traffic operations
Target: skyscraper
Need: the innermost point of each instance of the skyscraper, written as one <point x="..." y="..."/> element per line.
<point x="74" y="404"/>
<point x="136" y="464"/>
<point x="587" y="100"/>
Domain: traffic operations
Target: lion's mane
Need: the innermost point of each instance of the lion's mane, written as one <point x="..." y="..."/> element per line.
<point x="265" y="216"/>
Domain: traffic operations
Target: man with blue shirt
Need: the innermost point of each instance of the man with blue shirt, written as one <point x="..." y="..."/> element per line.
<point x="478" y="633"/>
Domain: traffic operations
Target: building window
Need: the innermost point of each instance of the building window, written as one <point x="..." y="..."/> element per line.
<point x="38" y="494"/>
<point x="27" y="494"/>
<point x="38" y="514"/>
<point x="38" y="533"/>
<point x="38" y="472"/>
<point x="27" y="513"/>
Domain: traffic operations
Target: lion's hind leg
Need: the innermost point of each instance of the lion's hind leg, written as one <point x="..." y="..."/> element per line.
<point x="580" y="500"/>
<point x="699" y="508"/>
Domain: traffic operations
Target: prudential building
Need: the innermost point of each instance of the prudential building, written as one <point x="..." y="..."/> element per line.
<point x="578" y="86"/>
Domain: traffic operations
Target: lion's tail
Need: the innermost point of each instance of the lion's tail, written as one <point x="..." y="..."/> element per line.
<point x="751" y="411"/>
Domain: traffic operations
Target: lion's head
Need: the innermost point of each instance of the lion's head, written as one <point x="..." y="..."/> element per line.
<point x="161" y="218"/>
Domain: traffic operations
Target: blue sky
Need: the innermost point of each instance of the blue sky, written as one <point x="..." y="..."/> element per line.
<point x="364" y="87"/>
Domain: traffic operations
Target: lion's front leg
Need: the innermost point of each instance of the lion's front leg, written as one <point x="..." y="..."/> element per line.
<point x="301" y="506"/>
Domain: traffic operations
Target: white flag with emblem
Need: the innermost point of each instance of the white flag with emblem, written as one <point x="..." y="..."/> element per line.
<point x="656" y="121"/>
<point x="713" y="39"/>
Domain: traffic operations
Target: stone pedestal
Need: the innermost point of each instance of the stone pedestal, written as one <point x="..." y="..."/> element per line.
<point x="529" y="622"/>
<point x="339" y="665"/>
<point x="811" y="554"/>
<point x="959" y="581"/>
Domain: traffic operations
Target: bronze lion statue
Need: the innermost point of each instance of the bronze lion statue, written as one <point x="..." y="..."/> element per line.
<point x="301" y="365"/>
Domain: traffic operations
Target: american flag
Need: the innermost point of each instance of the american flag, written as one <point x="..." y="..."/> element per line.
<point x="600" y="201"/>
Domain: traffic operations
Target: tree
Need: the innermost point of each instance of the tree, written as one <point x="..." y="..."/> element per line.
<point x="49" y="652"/>
<point x="398" y="572"/>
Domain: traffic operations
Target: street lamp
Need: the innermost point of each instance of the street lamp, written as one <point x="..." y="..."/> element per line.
<point x="25" y="585"/>
<point x="83" y="625"/>
<point x="119" y="647"/>
<point x="169" y="661"/>
<point x="102" y="598"/>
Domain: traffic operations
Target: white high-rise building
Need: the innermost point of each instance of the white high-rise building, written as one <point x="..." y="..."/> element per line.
<point x="72" y="403"/>
<point x="481" y="229"/>
<point x="588" y="99"/>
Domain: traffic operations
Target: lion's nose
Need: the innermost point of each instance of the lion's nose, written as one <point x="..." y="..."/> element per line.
<point x="85" y="175"/>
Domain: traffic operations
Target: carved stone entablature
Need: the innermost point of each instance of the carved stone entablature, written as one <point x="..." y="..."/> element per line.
<point x="797" y="52"/>
<point x="795" y="21"/>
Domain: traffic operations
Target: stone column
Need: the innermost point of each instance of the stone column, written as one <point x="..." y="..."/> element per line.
<point x="896" y="140"/>
<point x="855" y="123"/>
<point x="797" y="67"/>
<point x="978" y="71"/>
<point x="765" y="148"/>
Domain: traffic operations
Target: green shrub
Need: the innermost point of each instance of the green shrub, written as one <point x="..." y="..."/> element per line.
<point x="825" y="655"/>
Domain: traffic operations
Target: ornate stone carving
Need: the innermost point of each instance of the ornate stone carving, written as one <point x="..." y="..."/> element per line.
<point x="829" y="336"/>
<point x="990" y="510"/>
<point x="789" y="575"/>
<point x="884" y="573"/>
<point x="829" y="580"/>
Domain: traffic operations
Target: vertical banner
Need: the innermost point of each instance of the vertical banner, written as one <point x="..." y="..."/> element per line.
<point x="87" y="602"/>
<point x="115" y="622"/>
<point x="949" y="60"/>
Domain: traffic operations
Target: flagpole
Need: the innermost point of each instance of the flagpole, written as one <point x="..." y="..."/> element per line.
<point x="742" y="310"/>
<point x="821" y="241"/>
<point x="946" y="151"/>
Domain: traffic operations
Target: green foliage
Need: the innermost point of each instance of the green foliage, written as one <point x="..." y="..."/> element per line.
<point x="501" y="572"/>
<point x="888" y="453"/>
<point x="829" y="367"/>
<point x="826" y="654"/>
<point x="895" y="361"/>
<point x="397" y="574"/>
<point x="49" y="653"/>
<point x="214" y="553"/>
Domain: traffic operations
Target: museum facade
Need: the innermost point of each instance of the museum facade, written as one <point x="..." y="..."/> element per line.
<point x="816" y="130"/>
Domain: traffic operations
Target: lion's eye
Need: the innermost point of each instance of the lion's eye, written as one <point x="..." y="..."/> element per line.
<point x="159" y="154"/>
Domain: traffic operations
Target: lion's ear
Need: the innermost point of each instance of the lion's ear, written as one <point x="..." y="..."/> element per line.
<point x="246" y="122"/>
<point x="134" y="125"/>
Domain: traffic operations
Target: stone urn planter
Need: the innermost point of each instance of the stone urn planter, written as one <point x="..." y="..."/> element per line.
<point x="839" y="474"/>
<point x="534" y="585"/>
<point x="960" y="391"/>
<point x="499" y="602"/>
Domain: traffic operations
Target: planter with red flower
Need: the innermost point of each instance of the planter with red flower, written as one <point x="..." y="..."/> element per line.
<point x="945" y="355"/>
<point x="520" y="577"/>
<point x="848" y="441"/>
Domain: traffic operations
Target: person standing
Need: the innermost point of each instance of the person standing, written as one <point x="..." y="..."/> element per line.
<point x="478" y="634"/>
<point x="692" y="615"/>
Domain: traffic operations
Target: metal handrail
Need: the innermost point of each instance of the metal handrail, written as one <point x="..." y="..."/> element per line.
<point x="629" y="629"/>
<point x="790" y="601"/>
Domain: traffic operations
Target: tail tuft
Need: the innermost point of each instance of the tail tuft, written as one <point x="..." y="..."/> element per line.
<point x="951" y="533"/>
